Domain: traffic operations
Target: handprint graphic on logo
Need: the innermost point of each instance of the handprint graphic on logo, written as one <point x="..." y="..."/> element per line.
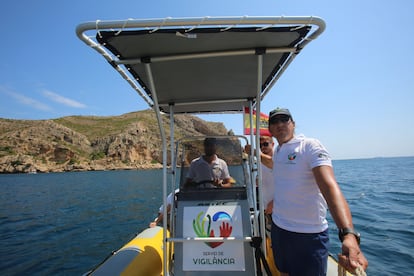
<point x="225" y="227"/>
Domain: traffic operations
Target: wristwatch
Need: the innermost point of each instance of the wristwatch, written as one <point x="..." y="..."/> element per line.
<point x="345" y="231"/>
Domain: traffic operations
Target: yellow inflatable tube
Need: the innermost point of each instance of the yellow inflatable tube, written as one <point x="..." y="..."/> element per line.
<point x="142" y="256"/>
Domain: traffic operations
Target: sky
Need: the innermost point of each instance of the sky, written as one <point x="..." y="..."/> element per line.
<point x="352" y="88"/>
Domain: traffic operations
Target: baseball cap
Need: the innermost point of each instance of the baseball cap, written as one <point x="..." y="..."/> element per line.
<point x="279" y="111"/>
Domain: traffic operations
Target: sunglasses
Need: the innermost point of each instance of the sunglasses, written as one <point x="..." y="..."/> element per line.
<point x="281" y="119"/>
<point x="265" y="144"/>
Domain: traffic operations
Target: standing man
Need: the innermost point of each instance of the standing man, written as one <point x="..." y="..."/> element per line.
<point x="305" y="187"/>
<point x="266" y="153"/>
<point x="266" y="149"/>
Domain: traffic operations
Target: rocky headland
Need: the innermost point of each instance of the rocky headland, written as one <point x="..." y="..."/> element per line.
<point x="88" y="143"/>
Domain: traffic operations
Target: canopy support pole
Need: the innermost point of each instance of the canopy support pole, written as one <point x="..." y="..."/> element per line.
<point x="164" y="160"/>
<point x="252" y="169"/>
<point x="257" y="146"/>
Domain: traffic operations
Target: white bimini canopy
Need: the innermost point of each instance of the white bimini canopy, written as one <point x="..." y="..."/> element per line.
<point x="201" y="65"/>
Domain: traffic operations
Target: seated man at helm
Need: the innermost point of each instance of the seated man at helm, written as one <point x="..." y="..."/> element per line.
<point x="208" y="170"/>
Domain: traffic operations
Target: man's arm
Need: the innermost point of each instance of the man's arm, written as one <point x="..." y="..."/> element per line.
<point x="264" y="158"/>
<point x="351" y="256"/>
<point x="227" y="182"/>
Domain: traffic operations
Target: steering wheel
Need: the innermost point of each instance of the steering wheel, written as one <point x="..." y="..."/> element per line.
<point x="202" y="182"/>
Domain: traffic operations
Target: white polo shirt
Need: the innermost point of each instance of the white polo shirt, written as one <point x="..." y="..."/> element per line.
<point x="268" y="185"/>
<point x="201" y="170"/>
<point x="298" y="204"/>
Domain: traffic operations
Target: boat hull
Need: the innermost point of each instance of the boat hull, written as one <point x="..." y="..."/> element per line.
<point x="142" y="256"/>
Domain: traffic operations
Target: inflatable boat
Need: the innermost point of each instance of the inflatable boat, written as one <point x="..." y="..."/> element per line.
<point x="204" y="65"/>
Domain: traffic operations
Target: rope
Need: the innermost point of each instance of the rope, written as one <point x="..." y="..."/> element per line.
<point x="202" y="20"/>
<point x="160" y="26"/>
<point x="97" y="28"/>
<point x="260" y="257"/>
<point x="231" y="26"/>
<point x="358" y="271"/>
<point x="123" y="27"/>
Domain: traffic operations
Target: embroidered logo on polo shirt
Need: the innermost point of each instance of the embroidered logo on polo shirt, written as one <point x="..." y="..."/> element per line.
<point x="323" y="156"/>
<point x="292" y="156"/>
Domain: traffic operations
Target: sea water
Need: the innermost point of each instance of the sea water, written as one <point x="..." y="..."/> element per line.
<point x="67" y="223"/>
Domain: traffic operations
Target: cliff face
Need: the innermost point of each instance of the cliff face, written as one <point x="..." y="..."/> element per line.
<point x="80" y="143"/>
